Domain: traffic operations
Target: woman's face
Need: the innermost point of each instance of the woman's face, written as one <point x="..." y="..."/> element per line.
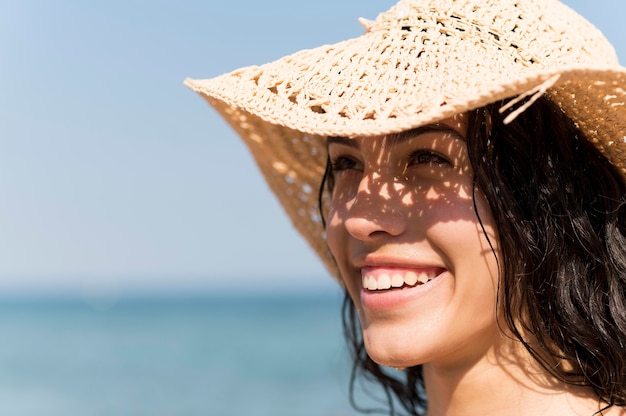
<point x="404" y="230"/>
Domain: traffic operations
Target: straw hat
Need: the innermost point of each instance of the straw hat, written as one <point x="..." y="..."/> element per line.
<point x="419" y="62"/>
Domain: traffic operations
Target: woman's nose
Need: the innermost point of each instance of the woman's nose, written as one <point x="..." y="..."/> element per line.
<point x="376" y="210"/>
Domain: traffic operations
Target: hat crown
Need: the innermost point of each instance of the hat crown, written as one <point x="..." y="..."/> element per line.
<point x="529" y="29"/>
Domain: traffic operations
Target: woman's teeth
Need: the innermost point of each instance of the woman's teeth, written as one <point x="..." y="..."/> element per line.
<point x="394" y="280"/>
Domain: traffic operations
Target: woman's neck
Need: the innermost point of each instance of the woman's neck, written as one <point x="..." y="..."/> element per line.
<point x="515" y="385"/>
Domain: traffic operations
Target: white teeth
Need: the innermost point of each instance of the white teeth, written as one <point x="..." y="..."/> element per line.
<point x="410" y="278"/>
<point x="371" y="283"/>
<point x="422" y="278"/>
<point x="396" y="280"/>
<point x="384" y="281"/>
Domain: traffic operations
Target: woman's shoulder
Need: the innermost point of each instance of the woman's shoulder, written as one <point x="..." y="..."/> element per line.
<point x="613" y="411"/>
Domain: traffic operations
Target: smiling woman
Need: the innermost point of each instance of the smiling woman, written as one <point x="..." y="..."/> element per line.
<point x="403" y="209"/>
<point x="471" y="161"/>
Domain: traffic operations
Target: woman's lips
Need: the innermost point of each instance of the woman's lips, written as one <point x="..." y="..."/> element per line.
<point x="385" y="278"/>
<point x="388" y="296"/>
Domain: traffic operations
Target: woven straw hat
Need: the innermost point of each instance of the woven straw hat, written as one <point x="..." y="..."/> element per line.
<point x="419" y="62"/>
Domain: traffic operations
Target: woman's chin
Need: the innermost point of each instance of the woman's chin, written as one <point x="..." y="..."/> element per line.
<point x="394" y="354"/>
<point x="398" y="363"/>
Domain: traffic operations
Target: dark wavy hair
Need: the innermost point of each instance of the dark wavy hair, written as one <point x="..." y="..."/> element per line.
<point x="559" y="204"/>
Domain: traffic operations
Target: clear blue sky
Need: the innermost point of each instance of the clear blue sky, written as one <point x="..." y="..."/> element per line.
<point x="114" y="175"/>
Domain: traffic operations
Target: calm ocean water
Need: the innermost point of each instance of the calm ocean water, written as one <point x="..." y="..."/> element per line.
<point x="203" y="355"/>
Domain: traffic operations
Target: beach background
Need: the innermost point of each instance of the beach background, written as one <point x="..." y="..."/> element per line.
<point x="201" y="355"/>
<point x="145" y="269"/>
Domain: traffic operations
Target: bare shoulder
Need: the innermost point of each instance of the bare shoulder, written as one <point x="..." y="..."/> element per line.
<point x="614" y="411"/>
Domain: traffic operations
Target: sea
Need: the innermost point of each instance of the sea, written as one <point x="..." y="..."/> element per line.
<point x="192" y="354"/>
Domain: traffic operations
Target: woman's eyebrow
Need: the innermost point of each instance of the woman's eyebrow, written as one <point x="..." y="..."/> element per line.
<point x="342" y="140"/>
<point x="396" y="138"/>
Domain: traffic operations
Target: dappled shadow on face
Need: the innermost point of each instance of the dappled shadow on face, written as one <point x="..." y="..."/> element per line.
<point x="402" y="184"/>
<point x="408" y="201"/>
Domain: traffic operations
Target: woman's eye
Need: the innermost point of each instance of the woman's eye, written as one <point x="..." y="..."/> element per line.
<point x="341" y="163"/>
<point x="427" y="157"/>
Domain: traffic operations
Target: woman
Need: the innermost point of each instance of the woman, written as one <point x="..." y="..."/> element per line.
<point x="471" y="160"/>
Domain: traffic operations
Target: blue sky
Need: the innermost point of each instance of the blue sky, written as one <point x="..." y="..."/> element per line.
<point x="114" y="176"/>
